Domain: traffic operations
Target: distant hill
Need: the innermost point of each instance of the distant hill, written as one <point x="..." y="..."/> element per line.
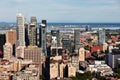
<point x="6" y="23"/>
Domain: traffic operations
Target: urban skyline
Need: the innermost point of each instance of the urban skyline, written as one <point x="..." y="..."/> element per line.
<point x="30" y="52"/>
<point x="62" y="11"/>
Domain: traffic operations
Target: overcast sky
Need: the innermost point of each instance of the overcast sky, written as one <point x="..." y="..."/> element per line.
<point x="62" y="10"/>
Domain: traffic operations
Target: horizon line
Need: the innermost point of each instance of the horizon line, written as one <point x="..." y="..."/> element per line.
<point x="62" y="22"/>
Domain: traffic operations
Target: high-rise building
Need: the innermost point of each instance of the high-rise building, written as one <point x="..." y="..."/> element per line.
<point x="8" y="50"/>
<point x="32" y="34"/>
<point x="2" y="42"/>
<point x="77" y="39"/>
<point x="101" y="36"/>
<point x="66" y="44"/>
<point x="42" y="37"/>
<point x="56" y="34"/>
<point x="20" y="30"/>
<point x="55" y="46"/>
<point x="11" y="37"/>
<point x="26" y="34"/>
<point x="33" y="31"/>
<point x="114" y="58"/>
<point x="33" y="20"/>
<point x="34" y="53"/>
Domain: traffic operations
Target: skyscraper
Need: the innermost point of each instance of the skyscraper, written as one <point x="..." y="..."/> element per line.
<point x="66" y="44"/>
<point x="32" y="34"/>
<point x="11" y="37"/>
<point x="101" y="36"/>
<point x="26" y="34"/>
<point x="20" y="30"/>
<point x="2" y="42"/>
<point x="33" y="20"/>
<point x="77" y="39"/>
<point x="20" y="36"/>
<point x="56" y="34"/>
<point x="42" y="37"/>
<point x="33" y="31"/>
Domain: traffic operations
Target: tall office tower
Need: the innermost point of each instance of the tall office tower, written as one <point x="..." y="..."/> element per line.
<point x="34" y="53"/>
<point x="26" y="34"/>
<point x="77" y="39"/>
<point x="66" y="44"/>
<point x="33" y="20"/>
<point x="55" y="37"/>
<point x="2" y="42"/>
<point x="20" y="30"/>
<point x="42" y="37"/>
<point x="101" y="36"/>
<point x="33" y="31"/>
<point x="11" y="37"/>
<point x="8" y="50"/>
<point x="81" y="54"/>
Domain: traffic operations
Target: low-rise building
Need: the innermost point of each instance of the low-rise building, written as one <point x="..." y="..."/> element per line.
<point x="101" y="67"/>
<point x="30" y="73"/>
<point x="4" y="76"/>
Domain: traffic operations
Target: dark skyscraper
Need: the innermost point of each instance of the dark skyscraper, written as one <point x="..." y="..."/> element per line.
<point x="26" y="34"/>
<point x="2" y="42"/>
<point x="56" y="33"/>
<point x="42" y="37"/>
<point x="66" y="44"/>
<point x="77" y="39"/>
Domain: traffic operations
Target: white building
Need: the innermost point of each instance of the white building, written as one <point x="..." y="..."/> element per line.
<point x="100" y="66"/>
<point x="20" y="30"/>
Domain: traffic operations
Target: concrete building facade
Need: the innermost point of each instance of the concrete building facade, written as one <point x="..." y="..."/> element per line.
<point x="8" y="50"/>
<point x="34" y="53"/>
<point x="11" y="37"/>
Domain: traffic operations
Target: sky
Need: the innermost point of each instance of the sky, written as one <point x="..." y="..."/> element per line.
<point x="61" y="10"/>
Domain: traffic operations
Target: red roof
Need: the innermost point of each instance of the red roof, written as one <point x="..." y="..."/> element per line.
<point x="87" y="54"/>
<point x="96" y="48"/>
<point x="114" y="38"/>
